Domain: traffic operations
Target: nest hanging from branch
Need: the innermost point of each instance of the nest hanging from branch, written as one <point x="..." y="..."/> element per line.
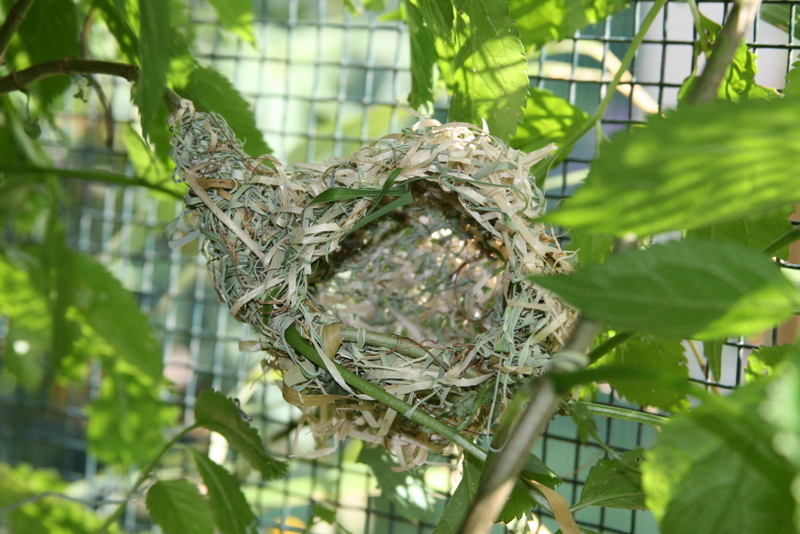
<point x="420" y="245"/>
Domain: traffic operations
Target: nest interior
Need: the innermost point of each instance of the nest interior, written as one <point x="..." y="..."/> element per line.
<point x="421" y="245"/>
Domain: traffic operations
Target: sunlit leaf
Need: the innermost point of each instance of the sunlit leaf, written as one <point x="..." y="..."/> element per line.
<point x="695" y="167"/>
<point x="684" y="289"/>
<point x="547" y="119"/>
<point x="114" y="17"/>
<point x="423" y="56"/>
<point x="712" y="350"/>
<point x="211" y="91"/>
<point x="128" y="417"/>
<point x="217" y="412"/>
<point x="490" y="80"/>
<point x="615" y="483"/>
<point x="178" y="508"/>
<point x="792" y="88"/>
<point x="232" y="512"/>
<point x="762" y="361"/>
<point x="656" y="356"/>
<point x="406" y="489"/>
<point x="542" y="21"/>
<point x="114" y="314"/>
<point x="714" y="471"/>
<point x="591" y="247"/>
<point x="155" y="45"/>
<point x="60" y="270"/>
<point x="237" y="17"/>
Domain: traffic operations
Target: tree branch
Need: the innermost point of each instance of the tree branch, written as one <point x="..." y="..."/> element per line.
<point x="14" y="18"/>
<point x="18" y="80"/>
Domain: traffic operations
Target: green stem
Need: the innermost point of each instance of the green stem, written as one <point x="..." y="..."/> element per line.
<point x="698" y="24"/>
<point x="14" y="18"/>
<point x="728" y="40"/>
<point x="786" y="239"/>
<point x="143" y="475"/>
<point x="612" y="87"/>
<point x="608" y="345"/>
<point x="307" y="350"/>
<point x="17" y="80"/>
<point x="91" y="176"/>
<point x="625" y="414"/>
<point x="386" y="341"/>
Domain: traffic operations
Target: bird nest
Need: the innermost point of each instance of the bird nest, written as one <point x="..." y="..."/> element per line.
<point x="420" y="245"/>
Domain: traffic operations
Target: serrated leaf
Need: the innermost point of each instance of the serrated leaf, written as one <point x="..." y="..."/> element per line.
<point x="406" y="489"/>
<point x="714" y="471"/>
<point x="755" y="232"/>
<point x="423" y="57"/>
<point x="712" y="350"/>
<point x="217" y="412"/>
<point x="114" y="314"/>
<point x="547" y="119"/>
<point x="211" y="91"/>
<point x="178" y="508"/>
<point x="762" y="362"/>
<point x="657" y="356"/>
<point x="792" y="88"/>
<point x="615" y="483"/>
<point x="117" y="23"/>
<point x="236" y="16"/>
<point x="583" y="419"/>
<point x="490" y="80"/>
<point x="695" y="167"/>
<point x="542" y="21"/>
<point x="231" y="511"/>
<point x="155" y="45"/>
<point x="126" y="420"/>
<point x="683" y="289"/>
<point x="60" y="40"/>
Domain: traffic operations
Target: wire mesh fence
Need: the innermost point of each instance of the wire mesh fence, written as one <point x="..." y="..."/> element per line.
<point x="323" y="82"/>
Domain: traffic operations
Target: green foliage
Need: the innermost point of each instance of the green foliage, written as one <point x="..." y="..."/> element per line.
<point x="761" y="363"/>
<point x="231" y="511"/>
<point x="237" y="17"/>
<point x="691" y="289"/>
<point x="714" y="471"/>
<point x="656" y="356"/>
<point x="154" y="54"/>
<point x="696" y="166"/>
<point x="591" y="247"/>
<point x="216" y="412"/>
<point x="178" y="508"/>
<point x="547" y="119"/>
<point x="615" y="483"/>
<point x="713" y="352"/>
<point x="405" y="489"/>
<point x="45" y="512"/>
<point x="423" y="55"/>
<point x="792" y="88"/>
<point x="211" y="91"/>
<point x="127" y="418"/>
<point x="490" y="79"/>
<point x="542" y="21"/>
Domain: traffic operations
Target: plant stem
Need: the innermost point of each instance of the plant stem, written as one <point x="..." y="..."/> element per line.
<point x="789" y="237"/>
<point x="17" y="80"/>
<point x="91" y="176"/>
<point x="625" y="414"/>
<point x="612" y="87"/>
<point x="14" y="18"/>
<point x="728" y="40"/>
<point x="307" y="350"/>
<point x="608" y="345"/>
<point x="698" y="25"/>
<point x="143" y="475"/>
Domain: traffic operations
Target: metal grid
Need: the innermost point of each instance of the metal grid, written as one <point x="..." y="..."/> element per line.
<point x="324" y="83"/>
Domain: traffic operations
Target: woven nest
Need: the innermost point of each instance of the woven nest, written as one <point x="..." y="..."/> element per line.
<point x="421" y="246"/>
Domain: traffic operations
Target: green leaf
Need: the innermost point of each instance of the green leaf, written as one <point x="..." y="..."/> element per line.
<point x="490" y="80"/>
<point x="695" y="167"/>
<point x="542" y="21"/>
<point x="58" y="262"/>
<point x="439" y="16"/>
<point x="615" y="483"/>
<point x="232" y="512"/>
<point x="178" y="508"/>
<point x="792" y="88"/>
<point x="591" y="248"/>
<point x="739" y="82"/>
<point x="335" y="194"/>
<point x="547" y="119"/>
<point x="657" y="356"/>
<point x="714" y="471"/>
<point x="683" y="289"/>
<point x="756" y="231"/>
<point x="584" y="420"/>
<point x="59" y="40"/>
<point x="155" y="46"/>
<point x="713" y="352"/>
<point x="423" y="57"/>
<point x="113" y="313"/>
<point x="406" y="489"/>
<point x="460" y="503"/>
<point x="236" y="16"/>
<point x="405" y="199"/>
<point x="217" y="412"/>
<point x="211" y="91"/>
<point x="127" y="419"/>
<point x="116" y="21"/>
<point x="325" y="513"/>
<point x="762" y="362"/>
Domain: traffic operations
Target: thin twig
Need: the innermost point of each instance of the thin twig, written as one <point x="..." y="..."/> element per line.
<point x="14" y="18"/>
<point x="729" y="38"/>
<point x="18" y="80"/>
